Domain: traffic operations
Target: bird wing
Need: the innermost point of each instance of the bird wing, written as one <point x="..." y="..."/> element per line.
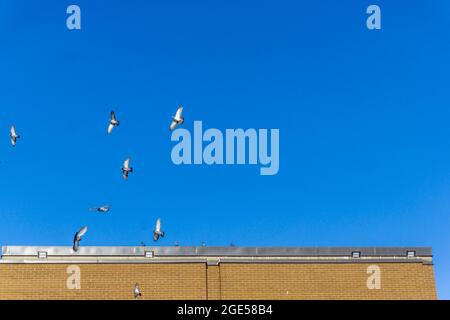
<point x="82" y="232"/>
<point x="179" y="113"/>
<point x="158" y="225"/>
<point x="13" y="141"/>
<point x="126" y="163"/>
<point x="110" y="128"/>
<point x="173" y="125"/>
<point x="113" y="116"/>
<point x="125" y="175"/>
<point x="13" y="131"/>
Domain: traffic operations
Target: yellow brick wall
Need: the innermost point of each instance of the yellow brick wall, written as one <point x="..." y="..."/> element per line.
<point x="226" y="281"/>
<point x="213" y="283"/>
<point x="326" y="281"/>
<point x="103" y="281"/>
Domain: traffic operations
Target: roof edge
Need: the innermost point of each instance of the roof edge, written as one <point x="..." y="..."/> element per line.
<point x="230" y="251"/>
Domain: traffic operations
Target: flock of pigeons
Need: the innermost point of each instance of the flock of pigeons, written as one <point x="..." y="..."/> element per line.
<point x="177" y="120"/>
<point x="126" y="170"/>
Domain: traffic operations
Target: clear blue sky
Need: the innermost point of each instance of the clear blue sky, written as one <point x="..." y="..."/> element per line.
<point x="363" y="118"/>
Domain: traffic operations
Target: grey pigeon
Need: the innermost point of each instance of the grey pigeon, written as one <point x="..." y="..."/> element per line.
<point x="101" y="209"/>
<point x="178" y="119"/>
<point x="14" y="136"/>
<point x="113" y="122"/>
<point x="77" y="238"/>
<point x="126" y="169"/>
<point x="158" y="233"/>
<point x="137" y="291"/>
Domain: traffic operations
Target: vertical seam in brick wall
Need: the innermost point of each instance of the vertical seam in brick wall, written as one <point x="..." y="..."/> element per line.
<point x="206" y="278"/>
<point x="220" y="282"/>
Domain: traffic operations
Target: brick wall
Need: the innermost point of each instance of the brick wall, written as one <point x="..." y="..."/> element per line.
<point x="226" y="281"/>
<point x="326" y="281"/>
<point x="103" y="281"/>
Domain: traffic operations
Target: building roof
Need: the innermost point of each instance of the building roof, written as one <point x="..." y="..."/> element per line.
<point x="180" y="254"/>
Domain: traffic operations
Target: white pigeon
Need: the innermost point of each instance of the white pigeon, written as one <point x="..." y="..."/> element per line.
<point x="14" y="135"/>
<point x="157" y="233"/>
<point x="178" y="119"/>
<point x="113" y="122"/>
<point x="126" y="169"/>
<point x="137" y="291"/>
<point x="101" y="209"/>
<point x="77" y="238"/>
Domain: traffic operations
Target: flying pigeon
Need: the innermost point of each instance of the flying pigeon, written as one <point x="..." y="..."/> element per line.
<point x="14" y="136"/>
<point x="113" y="122"/>
<point x="178" y="119"/>
<point x="136" y="291"/>
<point x="157" y="233"/>
<point x="77" y="238"/>
<point x="102" y="209"/>
<point x="126" y="168"/>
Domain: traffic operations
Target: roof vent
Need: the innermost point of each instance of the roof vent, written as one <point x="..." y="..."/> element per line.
<point x="149" y="254"/>
<point x="356" y="254"/>
<point x="42" y="254"/>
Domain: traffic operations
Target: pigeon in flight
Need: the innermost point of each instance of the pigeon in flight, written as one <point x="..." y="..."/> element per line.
<point x="137" y="291"/>
<point x="157" y="233"/>
<point x="178" y="119"/>
<point x="102" y="209"/>
<point x="14" y="136"/>
<point x="113" y="122"/>
<point x="77" y="238"/>
<point x="126" y="168"/>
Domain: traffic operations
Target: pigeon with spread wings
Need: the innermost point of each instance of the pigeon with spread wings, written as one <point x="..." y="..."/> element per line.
<point x="178" y="119"/>
<point x="158" y="232"/>
<point x="101" y="209"/>
<point x="113" y="122"/>
<point x="77" y="238"/>
<point x="126" y="169"/>
<point x="14" y="136"/>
